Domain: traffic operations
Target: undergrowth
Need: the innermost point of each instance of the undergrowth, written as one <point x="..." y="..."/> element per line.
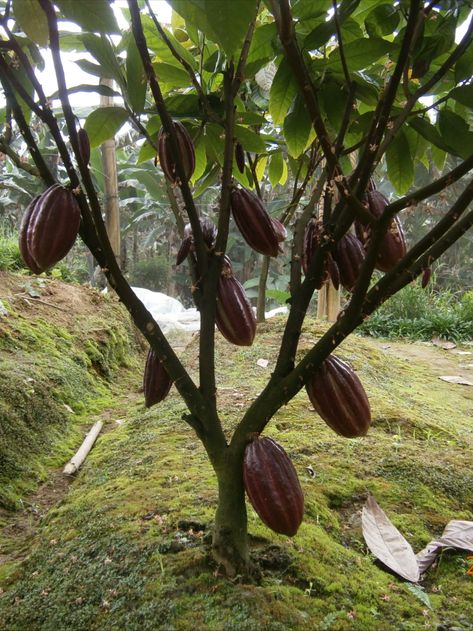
<point x="129" y="546"/>
<point x="423" y="314"/>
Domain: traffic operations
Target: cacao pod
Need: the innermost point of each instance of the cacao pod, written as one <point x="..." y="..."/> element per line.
<point x="393" y="247"/>
<point x="426" y="274"/>
<point x="23" y="234"/>
<point x="312" y="238"/>
<point x="280" y="230"/>
<point x="240" y="157"/>
<point x="272" y="486"/>
<point x="337" y="395"/>
<point x="234" y="316"/>
<point x="84" y="145"/>
<point x="254" y="222"/>
<point x="185" y="148"/>
<point x="49" y="228"/>
<point x="349" y="255"/>
<point x="209" y="235"/>
<point x="333" y="271"/>
<point x="156" y="381"/>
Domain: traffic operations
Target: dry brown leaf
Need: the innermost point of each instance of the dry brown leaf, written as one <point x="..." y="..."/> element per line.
<point x="456" y="379"/>
<point x="386" y="542"/>
<point x="458" y="534"/>
<point x="437" y="341"/>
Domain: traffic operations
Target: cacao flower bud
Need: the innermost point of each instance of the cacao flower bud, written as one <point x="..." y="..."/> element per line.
<point x="272" y="486"/>
<point x="156" y="381"/>
<point x="349" y="255"/>
<point x="337" y="395"/>
<point x="240" y="157"/>
<point x="234" y="316"/>
<point x="186" y="151"/>
<point x="254" y="222"/>
<point x="84" y="145"/>
<point x="49" y="228"/>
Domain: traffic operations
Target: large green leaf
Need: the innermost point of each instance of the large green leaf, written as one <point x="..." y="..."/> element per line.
<point x="297" y="128"/>
<point x="362" y="53"/>
<point x="323" y="32"/>
<point x="283" y="90"/>
<point x="91" y="15"/>
<point x="104" y="90"/>
<point x="455" y="133"/>
<point x="400" y="164"/>
<point x="261" y="44"/>
<point x="382" y="20"/>
<point x="225" y="23"/>
<point x="32" y="19"/>
<point x="101" y="49"/>
<point x="200" y="159"/>
<point x="464" y="66"/>
<point x="463" y="94"/>
<point x="172" y="75"/>
<point x="90" y="68"/>
<point x="135" y="78"/>
<point x="428" y="131"/>
<point x="250" y="140"/>
<point x="275" y="169"/>
<point x="103" y="123"/>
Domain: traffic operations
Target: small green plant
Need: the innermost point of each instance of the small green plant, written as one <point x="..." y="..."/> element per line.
<point x="10" y="257"/>
<point x="151" y="273"/>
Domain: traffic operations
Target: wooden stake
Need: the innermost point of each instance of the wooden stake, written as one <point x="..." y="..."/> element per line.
<point x="74" y="463"/>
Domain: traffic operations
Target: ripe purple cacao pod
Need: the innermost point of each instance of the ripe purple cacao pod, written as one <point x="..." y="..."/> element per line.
<point x="254" y="222"/>
<point x="156" y="381"/>
<point x="27" y="258"/>
<point x="349" y="255"/>
<point x="49" y="228"/>
<point x="338" y="396"/>
<point x="280" y="230"/>
<point x="184" y="249"/>
<point x="185" y="148"/>
<point x="393" y="247"/>
<point x="272" y="486"/>
<point x="333" y="271"/>
<point x="240" y="157"/>
<point x="312" y="237"/>
<point x="84" y="145"/>
<point x="426" y="275"/>
<point x="234" y="316"/>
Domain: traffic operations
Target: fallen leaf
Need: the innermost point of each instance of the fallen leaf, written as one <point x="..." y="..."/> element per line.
<point x="456" y="379"/>
<point x="464" y="352"/>
<point x="443" y="344"/>
<point x="263" y="363"/>
<point x="457" y="534"/>
<point x="386" y="542"/>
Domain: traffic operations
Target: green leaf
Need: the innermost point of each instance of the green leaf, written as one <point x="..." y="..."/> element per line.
<point x="103" y="123"/>
<point x="89" y="67"/>
<point x="382" y="20"/>
<point x="101" y="49"/>
<point x="225" y="23"/>
<point x="283" y="90"/>
<point x="323" y="32"/>
<point x="463" y="94"/>
<point x="261" y="44"/>
<point x="200" y="159"/>
<point x="428" y="131"/>
<point x="172" y="75"/>
<point x="464" y="66"/>
<point x="260" y="168"/>
<point x="400" y="164"/>
<point x="275" y="169"/>
<point x="208" y="180"/>
<point x="32" y="19"/>
<point x="297" y="128"/>
<point x="135" y="78"/>
<point x="250" y="140"/>
<point x="214" y="142"/>
<point x="361" y="53"/>
<point x="455" y="133"/>
<point x="96" y="16"/>
<point x="147" y="152"/>
<point x="104" y="90"/>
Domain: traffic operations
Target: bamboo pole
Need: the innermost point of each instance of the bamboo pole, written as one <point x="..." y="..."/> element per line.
<point x="76" y="461"/>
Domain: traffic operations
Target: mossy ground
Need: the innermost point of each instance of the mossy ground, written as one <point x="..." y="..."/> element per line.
<point x="128" y="547"/>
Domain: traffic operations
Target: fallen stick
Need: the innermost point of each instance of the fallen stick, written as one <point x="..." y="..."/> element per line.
<point x="76" y="461"/>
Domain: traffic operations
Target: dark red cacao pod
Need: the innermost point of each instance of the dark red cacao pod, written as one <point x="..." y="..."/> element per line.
<point x="234" y="316"/>
<point x="84" y="145"/>
<point x="338" y="396"/>
<point x="393" y="247"/>
<point x="279" y="229"/>
<point x="51" y="223"/>
<point x="27" y="258"/>
<point x="240" y="157"/>
<point x="426" y="275"/>
<point x="156" y="381"/>
<point x="209" y="235"/>
<point x="186" y="152"/>
<point x="333" y="271"/>
<point x="253" y="222"/>
<point x="349" y="255"/>
<point x="312" y="238"/>
<point x="272" y="486"/>
<point x="184" y="249"/>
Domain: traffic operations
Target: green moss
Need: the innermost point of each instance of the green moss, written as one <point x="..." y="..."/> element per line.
<point x="128" y="548"/>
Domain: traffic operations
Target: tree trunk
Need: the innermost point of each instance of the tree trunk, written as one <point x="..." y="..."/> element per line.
<point x="230" y="535"/>
<point x="328" y="303"/>
<point x="109" y="162"/>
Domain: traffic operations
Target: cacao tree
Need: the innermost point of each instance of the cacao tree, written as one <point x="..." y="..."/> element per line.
<point x="353" y="88"/>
